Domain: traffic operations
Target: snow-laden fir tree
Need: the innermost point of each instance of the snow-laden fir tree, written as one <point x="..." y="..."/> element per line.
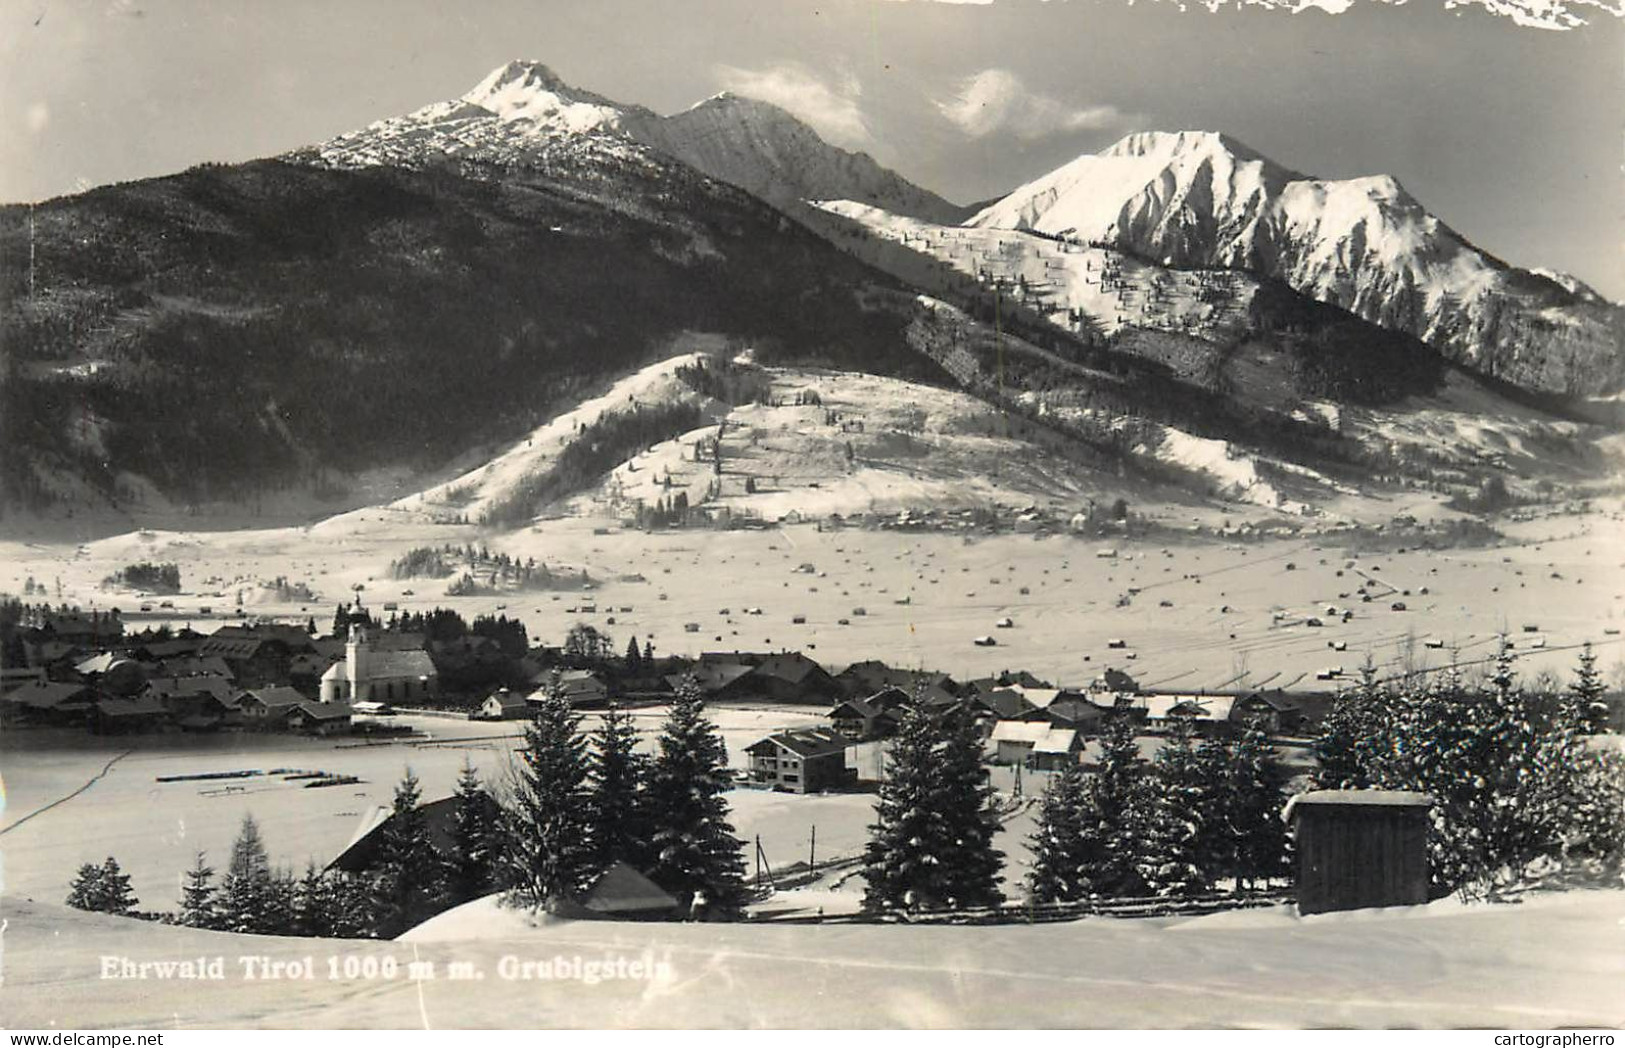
<point x="117" y="896"/>
<point x="1587" y="692"/>
<point x="246" y="900"/>
<point x="1254" y="848"/>
<point x="312" y="912"/>
<point x="408" y="875"/>
<point x="545" y="856"/>
<point x="931" y="846"/>
<point x="476" y="837"/>
<point x="968" y="804"/>
<point x="696" y="855"/>
<point x="85" y="893"/>
<point x="619" y="829"/>
<point x="1169" y="813"/>
<point x="1063" y="854"/>
<point x="1110" y="819"/>
<point x="198" y="895"/>
<point x="102" y="889"/>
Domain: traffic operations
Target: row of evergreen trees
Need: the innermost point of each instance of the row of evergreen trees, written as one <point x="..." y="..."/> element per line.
<point x="1194" y="816"/>
<point x="582" y="803"/>
<point x="1519" y="791"/>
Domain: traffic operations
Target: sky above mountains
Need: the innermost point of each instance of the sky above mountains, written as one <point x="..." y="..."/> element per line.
<point x="1508" y="133"/>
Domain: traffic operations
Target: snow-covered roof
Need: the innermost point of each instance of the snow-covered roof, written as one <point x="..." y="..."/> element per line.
<point x="1019" y="731"/>
<point x="1056" y="740"/>
<point x="1358" y="799"/>
<point x="1040" y="697"/>
<point x="1199" y="707"/>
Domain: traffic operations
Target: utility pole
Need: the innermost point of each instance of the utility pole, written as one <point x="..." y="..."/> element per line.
<point x="812" y="851"/>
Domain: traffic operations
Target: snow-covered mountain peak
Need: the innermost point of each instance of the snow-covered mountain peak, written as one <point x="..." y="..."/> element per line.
<point x="528" y="90"/>
<point x="520" y="74"/>
<point x="1202" y="199"/>
<point x="1170" y="144"/>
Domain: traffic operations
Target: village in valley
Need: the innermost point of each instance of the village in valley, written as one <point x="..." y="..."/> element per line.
<point x="600" y="545"/>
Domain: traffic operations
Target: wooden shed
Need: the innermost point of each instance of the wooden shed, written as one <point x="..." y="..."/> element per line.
<point x="1360" y="848"/>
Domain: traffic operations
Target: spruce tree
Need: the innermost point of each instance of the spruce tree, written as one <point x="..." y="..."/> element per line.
<point x="246" y="896"/>
<point x="545" y="849"/>
<point x="1062" y="854"/>
<point x="618" y="828"/>
<point x="1113" y="813"/>
<point x="312" y="914"/>
<point x="348" y="905"/>
<point x="1343" y="748"/>
<point x="198" y="895"/>
<point x="116" y="897"/>
<point x="932" y="844"/>
<point x="967" y="803"/>
<point x="696" y="855"/>
<point x="1253" y="799"/>
<point x="87" y="891"/>
<point x="1588" y="691"/>
<point x="408" y="875"/>
<point x="634" y="658"/>
<point x="476" y="836"/>
<point x="1170" y="812"/>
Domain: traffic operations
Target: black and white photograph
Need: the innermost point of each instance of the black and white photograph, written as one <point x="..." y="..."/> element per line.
<point x="812" y="514"/>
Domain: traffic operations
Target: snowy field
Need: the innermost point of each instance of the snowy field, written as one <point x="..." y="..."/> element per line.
<point x="1552" y="961"/>
<point x="1207" y="614"/>
<point x="155" y="828"/>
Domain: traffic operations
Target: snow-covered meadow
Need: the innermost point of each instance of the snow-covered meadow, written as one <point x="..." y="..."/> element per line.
<point x="1551" y="961"/>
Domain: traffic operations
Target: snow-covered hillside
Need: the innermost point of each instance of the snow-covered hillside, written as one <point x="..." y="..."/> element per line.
<point x="1553" y="961"/>
<point x="1077" y="286"/>
<point x="1196" y="198"/>
<point x="1462" y="425"/>
<point x="522" y="111"/>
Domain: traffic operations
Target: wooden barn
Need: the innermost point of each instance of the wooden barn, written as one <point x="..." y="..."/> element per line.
<point x="1360" y="848"/>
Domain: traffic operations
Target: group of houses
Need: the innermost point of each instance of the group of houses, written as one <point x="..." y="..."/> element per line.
<point x="1024" y="721"/>
<point x="269" y="677"/>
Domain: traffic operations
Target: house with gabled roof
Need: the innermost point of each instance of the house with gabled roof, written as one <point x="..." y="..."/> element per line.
<point x="50" y="702"/>
<point x="1056" y="750"/>
<point x="320" y="718"/>
<point x="874" y="717"/>
<point x="1207" y="714"/>
<point x="268" y="707"/>
<point x="1012" y="741"/>
<point x="801" y="760"/>
<point x="259" y="654"/>
<point x="502" y="704"/>
<point x="872" y="675"/>
<point x="209" y="697"/>
<point x="621" y="893"/>
<point x="129" y="716"/>
<point x="1268" y="711"/>
<point x="999" y="705"/>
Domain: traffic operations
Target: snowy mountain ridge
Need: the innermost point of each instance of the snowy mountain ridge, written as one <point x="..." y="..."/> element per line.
<point x="522" y="110"/>
<point x="1200" y="199"/>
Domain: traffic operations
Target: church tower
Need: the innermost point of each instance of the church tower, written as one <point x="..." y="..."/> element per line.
<point x="357" y="668"/>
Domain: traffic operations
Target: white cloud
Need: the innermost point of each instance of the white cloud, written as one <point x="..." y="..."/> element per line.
<point x="996" y="100"/>
<point x="831" y="108"/>
<point x="37" y="117"/>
